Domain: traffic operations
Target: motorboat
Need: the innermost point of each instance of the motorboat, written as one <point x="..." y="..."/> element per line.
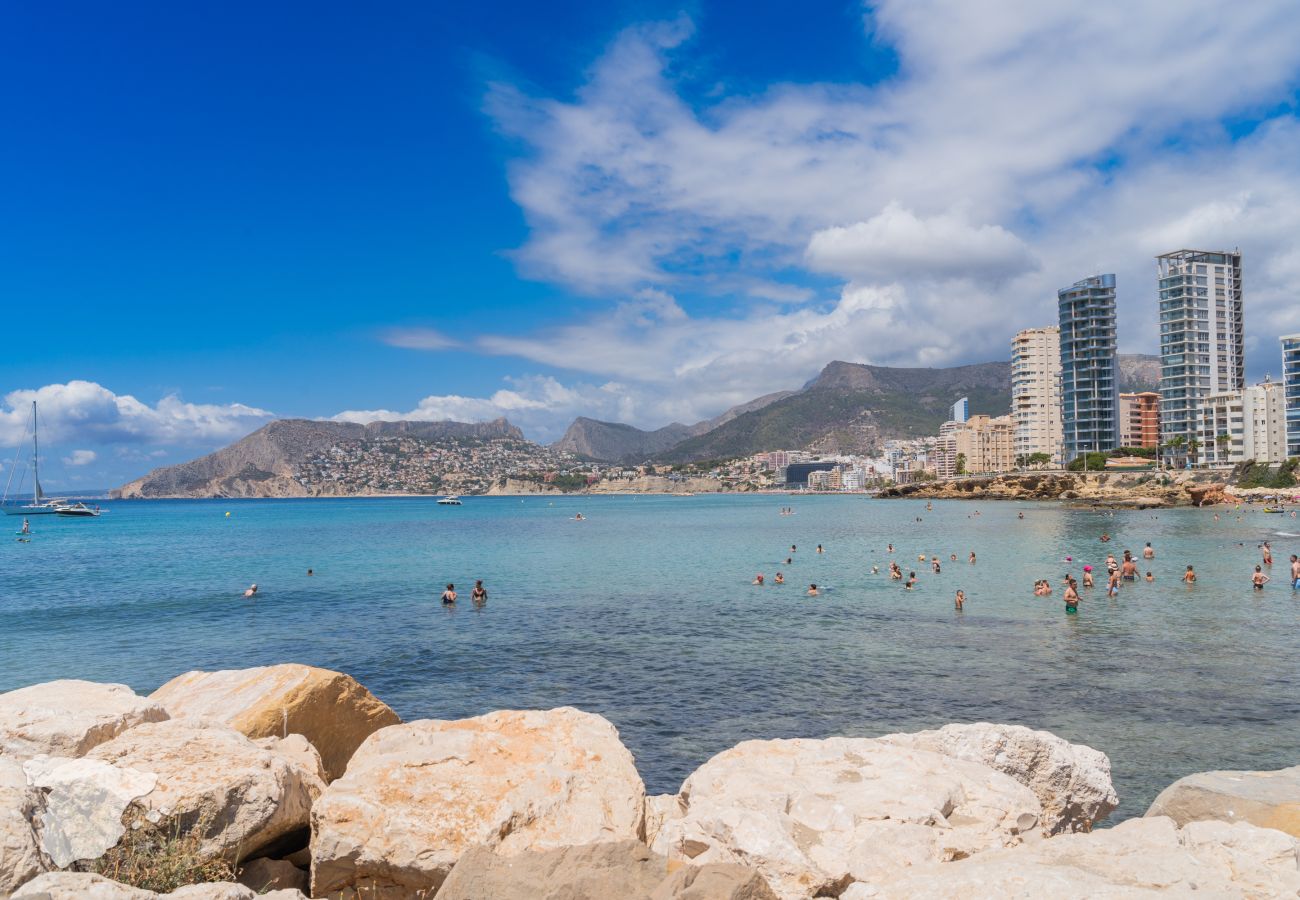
<point x="77" y="510"/>
<point x="450" y="500"/>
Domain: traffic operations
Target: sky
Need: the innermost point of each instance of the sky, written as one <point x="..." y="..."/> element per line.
<point x="213" y="215"/>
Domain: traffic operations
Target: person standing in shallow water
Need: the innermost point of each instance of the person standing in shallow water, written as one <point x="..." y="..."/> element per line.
<point x="960" y="599"/>
<point x="1259" y="579"/>
<point x="1295" y="572"/>
<point x="449" y="595"/>
<point x="1071" y="596"/>
<point x="479" y="594"/>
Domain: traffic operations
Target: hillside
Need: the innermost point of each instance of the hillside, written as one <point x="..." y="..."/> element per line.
<point x="616" y="442"/>
<point x="300" y="457"/>
<point x="1138" y="372"/>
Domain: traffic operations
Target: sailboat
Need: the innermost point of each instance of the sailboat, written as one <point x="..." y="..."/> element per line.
<point x="39" y="505"/>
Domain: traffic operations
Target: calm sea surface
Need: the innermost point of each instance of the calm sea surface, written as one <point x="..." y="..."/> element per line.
<point x="645" y="614"/>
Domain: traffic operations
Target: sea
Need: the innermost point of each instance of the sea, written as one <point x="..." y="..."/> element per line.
<point x="644" y="612"/>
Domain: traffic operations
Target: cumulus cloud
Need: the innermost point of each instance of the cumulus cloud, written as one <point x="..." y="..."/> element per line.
<point x="86" y="412"/>
<point x="897" y="243"/>
<point x="80" y="458"/>
<point x="416" y="338"/>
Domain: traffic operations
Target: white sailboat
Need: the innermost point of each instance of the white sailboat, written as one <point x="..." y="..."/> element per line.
<point x="39" y="505"/>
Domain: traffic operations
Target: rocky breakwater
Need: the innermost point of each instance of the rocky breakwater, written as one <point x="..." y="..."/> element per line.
<point x="1144" y="490"/>
<point x="517" y="805"/>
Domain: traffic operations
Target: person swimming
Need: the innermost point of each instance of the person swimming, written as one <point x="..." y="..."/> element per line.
<point x="758" y="579"/>
<point x="252" y="589"/>
<point x="310" y="573"/>
<point x="819" y="549"/>
<point x="911" y="580"/>
<point x="1150" y="577"/>
<point x="1147" y="552"/>
<point x="812" y="590"/>
<point x="779" y="579"/>
<point x="1189" y="577"/>
<point x="972" y="557"/>
<point x="449" y="595"/>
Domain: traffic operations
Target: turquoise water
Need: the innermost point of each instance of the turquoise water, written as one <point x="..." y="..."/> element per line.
<point x="645" y="613"/>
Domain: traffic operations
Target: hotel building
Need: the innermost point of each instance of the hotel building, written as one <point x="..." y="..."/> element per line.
<point x="1036" y="391"/>
<point x="1089" y="367"/>
<point x="1201" y="338"/>
<point x="1291" y="389"/>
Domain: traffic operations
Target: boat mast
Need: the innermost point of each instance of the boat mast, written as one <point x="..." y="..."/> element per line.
<point x="36" y="457"/>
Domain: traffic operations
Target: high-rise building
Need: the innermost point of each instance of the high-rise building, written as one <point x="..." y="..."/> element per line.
<point x="988" y="444"/>
<point x="1036" y="391"/>
<point x="960" y="411"/>
<point x="1291" y="391"/>
<point x="1202" y="349"/>
<point x="1139" y="420"/>
<point x="1089" y="366"/>
<point x="1239" y="425"/>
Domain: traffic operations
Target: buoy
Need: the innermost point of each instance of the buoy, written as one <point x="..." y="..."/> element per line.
<point x="227" y="515"/>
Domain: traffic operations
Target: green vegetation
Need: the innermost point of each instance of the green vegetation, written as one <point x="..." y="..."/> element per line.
<point x="1033" y="460"/>
<point x="960" y="468"/>
<point x="1251" y="474"/>
<point x="570" y="481"/>
<point x="1088" y="462"/>
<point x="1144" y="452"/>
<point x="162" y="858"/>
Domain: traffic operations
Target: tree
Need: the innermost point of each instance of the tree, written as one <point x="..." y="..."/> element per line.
<point x="1039" y="459"/>
<point x="961" y="464"/>
<point x="1192" y="446"/>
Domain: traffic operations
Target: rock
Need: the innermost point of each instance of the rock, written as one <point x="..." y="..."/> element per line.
<point x="69" y="718"/>
<point x="416" y="796"/>
<point x="247" y="796"/>
<point x="332" y="710"/>
<point x="83" y="804"/>
<point x="1071" y="781"/>
<point x="298" y="749"/>
<point x="1137" y="858"/>
<point x="814" y="816"/>
<point x="627" y="870"/>
<point x="20" y="852"/>
<point x="658" y="809"/>
<point x="1266" y="799"/>
<point x="272" y="874"/>
<point x="85" y="886"/>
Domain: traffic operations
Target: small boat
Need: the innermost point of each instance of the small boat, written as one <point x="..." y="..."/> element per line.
<point x="76" y="510"/>
<point x="1269" y="509"/>
<point x="39" y="505"/>
<point x="450" y="500"/>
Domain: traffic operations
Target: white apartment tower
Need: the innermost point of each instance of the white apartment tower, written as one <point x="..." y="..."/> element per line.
<point x="1036" y="391"/>
<point x="1202" y="344"/>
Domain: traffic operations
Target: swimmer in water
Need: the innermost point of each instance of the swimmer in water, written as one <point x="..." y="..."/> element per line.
<point x="1112" y="585"/>
<point x="972" y="557"/>
<point x="1259" y="579"/>
<point x="1147" y="552"/>
<point x="310" y="573"/>
<point x="1087" y="576"/>
<point x="779" y="579"/>
<point x="1071" y="596"/>
<point x="449" y="595"/>
<point x="960" y="599"/>
<point x="1129" y="571"/>
<point x="875" y="570"/>
<point x="812" y="591"/>
<point x="1020" y="516"/>
<point x="1267" y="551"/>
<point x="251" y="590"/>
<point x="934" y="564"/>
<point x="789" y="560"/>
<point x="819" y="549"/>
<point x="479" y="594"/>
<point x="1295" y="572"/>
<point x="758" y="579"/>
<point x="952" y="557"/>
<point x="1189" y="577"/>
<point x="891" y="548"/>
<point x="911" y="580"/>
<point x="1150" y="578"/>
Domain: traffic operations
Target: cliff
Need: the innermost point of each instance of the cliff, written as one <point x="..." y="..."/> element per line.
<point x="1128" y="489"/>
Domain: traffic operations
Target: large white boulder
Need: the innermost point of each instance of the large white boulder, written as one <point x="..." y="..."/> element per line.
<point x="415" y="796"/>
<point x="69" y="718"/>
<point x="248" y="796"/>
<point x="20" y="851"/>
<point x="1071" y="781"/>
<point x="814" y="816"/>
<point x="332" y="710"/>
<point x="81" y="814"/>
<point x="1266" y="799"/>
<point x="1138" y="858"/>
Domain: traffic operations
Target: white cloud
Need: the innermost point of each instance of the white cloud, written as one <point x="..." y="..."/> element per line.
<point x="899" y="244"/>
<point x="416" y="338"/>
<point x="85" y="412"/>
<point x="80" y="458"/>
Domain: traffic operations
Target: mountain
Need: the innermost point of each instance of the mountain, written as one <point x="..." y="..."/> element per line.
<point x="616" y="442"/>
<point x="1138" y="372"/>
<point x="851" y="407"/>
<point x="271" y="461"/>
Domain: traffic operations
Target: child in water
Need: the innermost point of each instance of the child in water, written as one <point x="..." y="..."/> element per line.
<point x="961" y="599"/>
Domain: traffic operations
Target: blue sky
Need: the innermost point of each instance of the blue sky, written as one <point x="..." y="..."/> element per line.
<point x="642" y="211"/>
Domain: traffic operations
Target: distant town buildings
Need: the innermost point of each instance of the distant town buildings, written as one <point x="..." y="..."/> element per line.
<point x="960" y="411"/>
<point x="1139" y="420"/>
<point x="987" y="445"/>
<point x="1291" y="391"/>
<point x="1036" y="392"/>
<point x="1089" y="366"/>
<point x="1202" y="340"/>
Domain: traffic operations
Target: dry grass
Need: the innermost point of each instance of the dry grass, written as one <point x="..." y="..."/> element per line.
<point x="162" y="858"/>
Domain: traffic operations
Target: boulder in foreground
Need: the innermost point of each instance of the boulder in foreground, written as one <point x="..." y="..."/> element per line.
<point x="69" y="718"/>
<point x="1135" y="859"/>
<point x="1071" y="781"/>
<point x="246" y="797"/>
<point x="84" y="886"/>
<point x="331" y="710"/>
<point x="416" y="796"/>
<point x="20" y="849"/>
<point x="814" y="816"/>
<point x="627" y="870"/>
<point x="1266" y="799"/>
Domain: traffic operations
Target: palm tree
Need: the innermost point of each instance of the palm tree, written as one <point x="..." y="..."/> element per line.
<point x="1175" y="445"/>
<point x="1192" y="446"/>
<point x="1224" y="441"/>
